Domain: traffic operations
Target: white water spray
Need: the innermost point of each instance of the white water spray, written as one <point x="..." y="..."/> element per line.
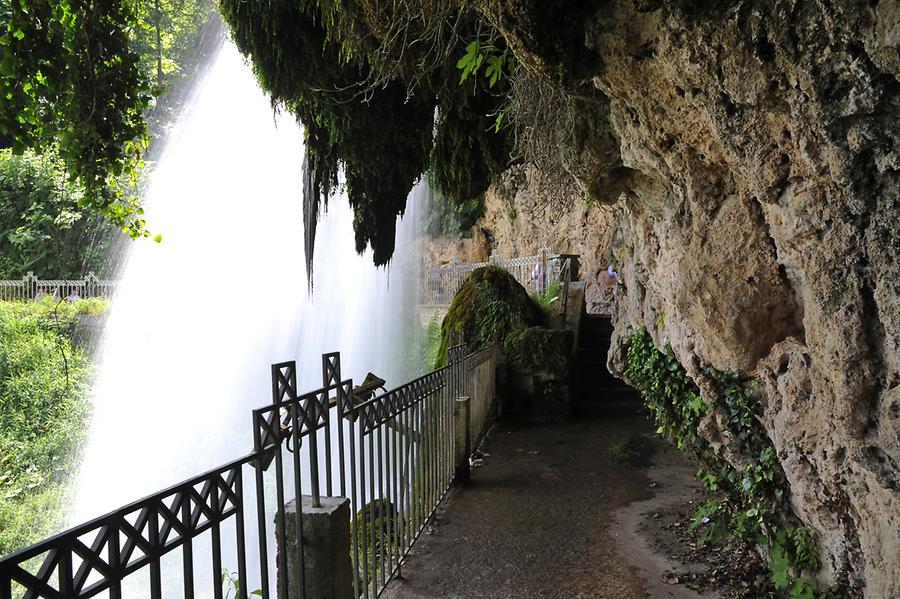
<point x="200" y="317"/>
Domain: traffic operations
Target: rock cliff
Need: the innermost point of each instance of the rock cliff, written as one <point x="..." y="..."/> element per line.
<point x="756" y="194"/>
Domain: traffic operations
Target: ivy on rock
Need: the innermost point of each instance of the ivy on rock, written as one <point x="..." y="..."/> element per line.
<point x="752" y="503"/>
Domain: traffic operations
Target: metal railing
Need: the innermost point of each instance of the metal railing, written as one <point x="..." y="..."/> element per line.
<point x="393" y="455"/>
<point x="536" y="273"/>
<point x="30" y="287"/>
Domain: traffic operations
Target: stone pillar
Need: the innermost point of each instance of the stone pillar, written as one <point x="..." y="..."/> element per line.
<point x="328" y="572"/>
<point x="462" y="436"/>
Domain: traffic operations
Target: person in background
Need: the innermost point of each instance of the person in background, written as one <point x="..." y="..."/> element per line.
<point x="537" y="278"/>
<point x="611" y="275"/>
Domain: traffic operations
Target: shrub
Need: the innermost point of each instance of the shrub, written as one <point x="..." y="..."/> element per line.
<point x="44" y="381"/>
<point x="43" y="226"/>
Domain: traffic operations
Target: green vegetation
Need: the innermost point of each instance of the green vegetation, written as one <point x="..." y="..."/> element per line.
<point x="231" y="585"/>
<point x="418" y="351"/>
<point x="539" y="349"/>
<point x="489" y="306"/>
<point x="43" y="227"/>
<point x="455" y="220"/>
<point x="752" y="504"/>
<point x="44" y="381"/>
<point x="71" y="83"/>
<point x="166" y="43"/>
<point x="77" y="79"/>
<point x="368" y="107"/>
<point x="386" y="92"/>
<point x="634" y="451"/>
<point x="432" y="344"/>
<point x="545" y="300"/>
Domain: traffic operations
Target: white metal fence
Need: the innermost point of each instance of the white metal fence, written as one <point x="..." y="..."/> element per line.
<point x="30" y="287"/>
<point x="535" y="273"/>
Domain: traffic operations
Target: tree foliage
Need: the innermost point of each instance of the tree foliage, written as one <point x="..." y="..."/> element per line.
<point x="169" y="44"/>
<point x="77" y="79"/>
<point x="71" y="82"/>
<point x="42" y="226"/>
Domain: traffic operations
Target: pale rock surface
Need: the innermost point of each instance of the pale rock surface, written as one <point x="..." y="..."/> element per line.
<point x="759" y="226"/>
<point x="520" y="215"/>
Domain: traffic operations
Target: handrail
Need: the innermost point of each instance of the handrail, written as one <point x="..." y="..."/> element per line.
<point x="31" y="287"/>
<point x="392" y="455"/>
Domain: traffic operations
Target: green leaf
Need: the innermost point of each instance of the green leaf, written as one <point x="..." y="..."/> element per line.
<point x="780" y="566"/>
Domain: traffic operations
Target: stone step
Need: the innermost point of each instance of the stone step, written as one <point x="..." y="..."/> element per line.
<point x="608" y="410"/>
<point x="599" y="381"/>
<point x="591" y="355"/>
<point x="601" y="392"/>
<point x="596" y="326"/>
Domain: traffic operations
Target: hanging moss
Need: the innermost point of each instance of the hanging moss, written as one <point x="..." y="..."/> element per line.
<point x="489" y="306"/>
<point x="382" y="143"/>
<point x="314" y="59"/>
<point x="469" y="149"/>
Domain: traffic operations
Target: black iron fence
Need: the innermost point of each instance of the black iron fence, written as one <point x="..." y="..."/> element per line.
<point x="222" y="533"/>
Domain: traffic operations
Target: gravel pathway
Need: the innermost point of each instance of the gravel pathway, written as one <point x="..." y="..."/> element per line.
<point x="538" y="520"/>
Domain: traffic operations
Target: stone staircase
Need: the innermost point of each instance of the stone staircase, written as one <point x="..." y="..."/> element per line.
<point x="597" y="393"/>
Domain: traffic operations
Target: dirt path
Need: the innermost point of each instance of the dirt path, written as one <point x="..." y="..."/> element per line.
<point x="540" y="520"/>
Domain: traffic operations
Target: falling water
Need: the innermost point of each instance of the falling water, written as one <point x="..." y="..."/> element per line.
<point x="200" y="317"/>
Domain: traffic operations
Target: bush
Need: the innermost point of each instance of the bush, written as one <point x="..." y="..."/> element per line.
<point x="44" y="381"/>
<point x="42" y="226"/>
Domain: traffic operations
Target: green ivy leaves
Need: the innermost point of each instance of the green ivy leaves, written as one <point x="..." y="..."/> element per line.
<point x="470" y="61"/>
<point x="498" y="63"/>
<point x="70" y="82"/>
<point x="753" y="507"/>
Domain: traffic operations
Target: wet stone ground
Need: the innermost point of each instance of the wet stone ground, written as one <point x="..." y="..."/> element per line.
<point x="549" y="513"/>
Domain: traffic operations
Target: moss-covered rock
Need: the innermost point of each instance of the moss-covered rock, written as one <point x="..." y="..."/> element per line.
<point x="542" y="351"/>
<point x="489" y="306"/>
<point x="492" y="306"/>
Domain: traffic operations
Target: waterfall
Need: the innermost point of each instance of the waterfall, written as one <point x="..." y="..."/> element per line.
<point x="200" y="317"/>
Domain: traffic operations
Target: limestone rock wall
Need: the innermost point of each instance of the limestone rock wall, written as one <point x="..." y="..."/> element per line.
<point x="759" y="143"/>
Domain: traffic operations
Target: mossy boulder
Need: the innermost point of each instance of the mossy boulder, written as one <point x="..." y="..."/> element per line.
<point x="489" y="306"/>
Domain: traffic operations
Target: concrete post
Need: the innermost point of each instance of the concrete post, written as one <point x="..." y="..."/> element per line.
<point x="328" y="572"/>
<point x="462" y="436"/>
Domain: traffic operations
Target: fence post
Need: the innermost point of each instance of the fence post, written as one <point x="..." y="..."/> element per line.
<point x="30" y="285"/>
<point x="462" y="438"/>
<point x="543" y="260"/>
<point x="327" y="569"/>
